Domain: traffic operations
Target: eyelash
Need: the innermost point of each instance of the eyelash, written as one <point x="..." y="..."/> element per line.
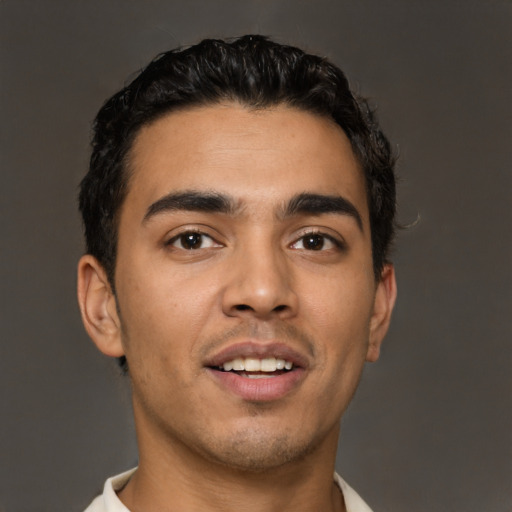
<point x="338" y="244"/>
<point x="202" y="236"/>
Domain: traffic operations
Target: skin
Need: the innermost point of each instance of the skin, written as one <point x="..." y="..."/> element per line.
<point x="254" y="277"/>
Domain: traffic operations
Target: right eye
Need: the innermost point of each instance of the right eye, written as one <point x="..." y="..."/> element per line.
<point x="192" y="240"/>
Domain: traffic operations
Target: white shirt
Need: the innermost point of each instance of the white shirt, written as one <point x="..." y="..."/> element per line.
<point x="109" y="501"/>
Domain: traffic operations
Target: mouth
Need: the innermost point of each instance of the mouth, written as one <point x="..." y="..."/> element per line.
<point x="254" y="368"/>
<point x="258" y="372"/>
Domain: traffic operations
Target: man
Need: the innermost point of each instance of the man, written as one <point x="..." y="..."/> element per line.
<point x="238" y="212"/>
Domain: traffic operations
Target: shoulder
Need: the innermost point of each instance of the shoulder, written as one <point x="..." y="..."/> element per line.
<point x="353" y="502"/>
<point x="108" y="501"/>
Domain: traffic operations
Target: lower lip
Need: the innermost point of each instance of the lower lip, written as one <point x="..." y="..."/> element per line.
<point x="259" y="390"/>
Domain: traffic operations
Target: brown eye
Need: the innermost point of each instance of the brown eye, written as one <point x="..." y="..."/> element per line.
<point x="192" y="240"/>
<point x="316" y="242"/>
<point x="313" y="242"/>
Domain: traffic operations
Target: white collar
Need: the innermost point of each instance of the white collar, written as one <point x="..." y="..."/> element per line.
<point x="110" y="502"/>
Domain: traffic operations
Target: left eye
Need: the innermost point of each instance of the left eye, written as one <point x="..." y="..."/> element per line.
<point x="315" y="242"/>
<point x="192" y="240"/>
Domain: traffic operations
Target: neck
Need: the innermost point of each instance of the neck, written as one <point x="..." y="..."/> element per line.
<point x="176" y="479"/>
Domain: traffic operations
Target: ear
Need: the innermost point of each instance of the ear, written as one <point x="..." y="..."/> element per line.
<point x="98" y="307"/>
<point x="384" y="302"/>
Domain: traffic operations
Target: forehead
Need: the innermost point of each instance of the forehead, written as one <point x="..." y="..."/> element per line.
<point x="253" y="155"/>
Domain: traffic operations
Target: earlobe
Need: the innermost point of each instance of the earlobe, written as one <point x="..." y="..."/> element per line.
<point x="98" y="307"/>
<point x="384" y="303"/>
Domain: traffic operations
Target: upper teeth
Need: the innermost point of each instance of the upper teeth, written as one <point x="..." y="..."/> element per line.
<point x="250" y="364"/>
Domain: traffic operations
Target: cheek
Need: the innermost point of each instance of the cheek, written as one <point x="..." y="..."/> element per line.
<point x="162" y="317"/>
<point x="340" y="315"/>
<point x="341" y="306"/>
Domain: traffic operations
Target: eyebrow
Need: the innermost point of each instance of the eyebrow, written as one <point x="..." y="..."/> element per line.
<point x="191" y="200"/>
<point x="318" y="204"/>
<point x="214" y="202"/>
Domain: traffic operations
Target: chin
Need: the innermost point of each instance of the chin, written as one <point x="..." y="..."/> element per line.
<point x="256" y="451"/>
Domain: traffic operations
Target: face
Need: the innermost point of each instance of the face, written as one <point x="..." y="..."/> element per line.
<point x="246" y="299"/>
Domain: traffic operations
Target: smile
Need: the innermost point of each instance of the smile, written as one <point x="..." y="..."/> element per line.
<point x="258" y="373"/>
<point x="250" y="365"/>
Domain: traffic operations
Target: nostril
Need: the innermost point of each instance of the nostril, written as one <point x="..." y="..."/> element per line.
<point x="245" y="307"/>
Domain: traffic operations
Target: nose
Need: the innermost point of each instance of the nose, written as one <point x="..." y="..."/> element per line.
<point x="260" y="285"/>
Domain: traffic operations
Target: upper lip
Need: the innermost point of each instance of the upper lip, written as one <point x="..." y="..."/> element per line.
<point x="258" y="350"/>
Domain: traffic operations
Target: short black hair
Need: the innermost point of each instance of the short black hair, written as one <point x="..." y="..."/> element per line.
<point x="255" y="72"/>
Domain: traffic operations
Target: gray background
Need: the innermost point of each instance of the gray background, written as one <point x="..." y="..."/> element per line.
<point x="430" y="426"/>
